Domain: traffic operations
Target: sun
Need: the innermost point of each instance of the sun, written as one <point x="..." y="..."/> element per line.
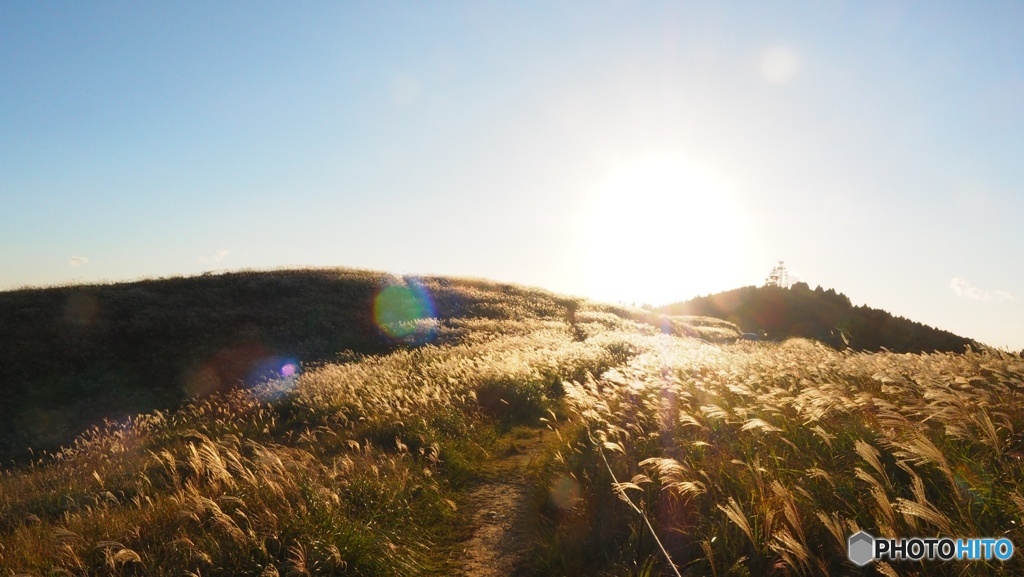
<point x="661" y="229"/>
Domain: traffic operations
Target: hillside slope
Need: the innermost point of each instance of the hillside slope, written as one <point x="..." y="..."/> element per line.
<point x="823" y="315"/>
<point x="75" y="355"/>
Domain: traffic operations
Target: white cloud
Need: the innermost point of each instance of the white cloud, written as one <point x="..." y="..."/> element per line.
<point x="78" y="260"/>
<point x="219" y="256"/>
<point x="964" y="289"/>
<point x="1002" y="295"/>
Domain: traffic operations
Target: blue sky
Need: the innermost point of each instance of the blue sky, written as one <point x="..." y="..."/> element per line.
<point x="636" y="152"/>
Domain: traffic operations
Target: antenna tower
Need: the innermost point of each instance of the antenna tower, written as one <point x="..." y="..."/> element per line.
<point x="779" y="276"/>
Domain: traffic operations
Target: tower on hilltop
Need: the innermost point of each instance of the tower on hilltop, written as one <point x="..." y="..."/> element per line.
<point x="779" y="276"/>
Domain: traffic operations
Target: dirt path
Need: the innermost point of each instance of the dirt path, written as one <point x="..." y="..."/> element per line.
<point x="498" y="544"/>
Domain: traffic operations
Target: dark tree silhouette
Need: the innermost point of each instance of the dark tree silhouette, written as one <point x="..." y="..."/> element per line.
<point x="824" y="315"/>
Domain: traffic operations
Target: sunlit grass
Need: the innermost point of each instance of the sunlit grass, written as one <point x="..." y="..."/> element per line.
<point x="349" y="467"/>
<point x="745" y="458"/>
<point x="757" y="459"/>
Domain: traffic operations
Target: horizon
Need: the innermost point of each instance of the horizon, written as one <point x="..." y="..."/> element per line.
<point x="638" y="154"/>
<point x="395" y="277"/>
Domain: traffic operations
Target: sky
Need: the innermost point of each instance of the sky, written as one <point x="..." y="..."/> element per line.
<point x="635" y="152"/>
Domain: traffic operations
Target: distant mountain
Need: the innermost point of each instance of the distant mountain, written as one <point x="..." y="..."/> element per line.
<point x="825" y="315"/>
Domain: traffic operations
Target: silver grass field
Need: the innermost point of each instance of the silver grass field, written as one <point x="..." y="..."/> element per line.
<point x="672" y="454"/>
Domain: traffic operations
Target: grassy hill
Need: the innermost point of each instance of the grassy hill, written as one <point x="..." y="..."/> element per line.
<point x="823" y="315"/>
<point x="743" y="458"/>
<point x="75" y="355"/>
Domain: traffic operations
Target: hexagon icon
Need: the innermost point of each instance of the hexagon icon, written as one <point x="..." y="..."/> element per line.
<point x="860" y="548"/>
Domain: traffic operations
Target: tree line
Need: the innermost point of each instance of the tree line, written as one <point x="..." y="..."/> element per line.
<point x="828" y="316"/>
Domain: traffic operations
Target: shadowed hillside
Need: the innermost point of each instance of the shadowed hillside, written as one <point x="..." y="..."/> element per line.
<point x="74" y="355"/>
<point x="824" y="315"/>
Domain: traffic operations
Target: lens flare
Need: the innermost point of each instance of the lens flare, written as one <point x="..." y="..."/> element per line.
<point x="252" y="366"/>
<point x="564" y="492"/>
<point x="779" y="65"/>
<point x="403" y="311"/>
<point x="273" y="376"/>
<point x="201" y="381"/>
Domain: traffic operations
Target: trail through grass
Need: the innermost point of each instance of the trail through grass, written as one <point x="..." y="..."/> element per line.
<point x="499" y="504"/>
<point x="354" y="467"/>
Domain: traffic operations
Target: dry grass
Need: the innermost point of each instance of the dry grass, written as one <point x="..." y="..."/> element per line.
<point x="744" y="458"/>
<point x="352" y="467"/>
<point x="764" y="457"/>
